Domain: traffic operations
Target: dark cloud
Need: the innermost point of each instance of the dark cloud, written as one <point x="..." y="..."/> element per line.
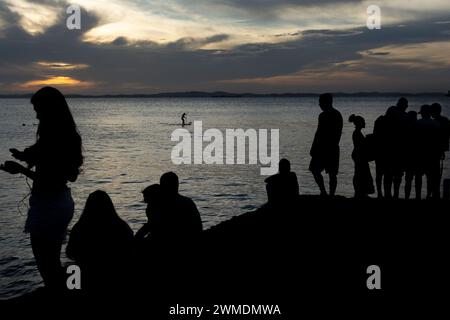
<point x="330" y="33"/>
<point x="370" y="53"/>
<point x="182" y="66"/>
<point x="120" y="41"/>
<point x="267" y="5"/>
<point x="195" y="43"/>
<point x="262" y="10"/>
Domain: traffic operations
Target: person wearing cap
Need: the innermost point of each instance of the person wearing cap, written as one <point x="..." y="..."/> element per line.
<point x="428" y="153"/>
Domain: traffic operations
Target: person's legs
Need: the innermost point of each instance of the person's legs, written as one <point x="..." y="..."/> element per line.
<point x="319" y="180"/>
<point x="332" y="168"/>
<point x="432" y="173"/>
<point x="47" y="251"/>
<point x="397" y="182"/>
<point x="418" y="181"/>
<point x="379" y="178"/>
<point x="429" y="178"/>
<point x="355" y="182"/>
<point x="316" y="167"/>
<point x="333" y="183"/>
<point x="436" y="174"/>
<point x="408" y="183"/>
<point x="358" y="184"/>
<point x="388" y="185"/>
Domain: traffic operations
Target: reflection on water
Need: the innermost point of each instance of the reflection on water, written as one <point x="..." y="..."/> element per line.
<point x="127" y="147"/>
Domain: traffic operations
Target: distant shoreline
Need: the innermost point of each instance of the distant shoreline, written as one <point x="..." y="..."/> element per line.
<point x="220" y="94"/>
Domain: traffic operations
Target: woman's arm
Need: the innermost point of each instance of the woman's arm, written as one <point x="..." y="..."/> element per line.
<point x="28" y="155"/>
<point x="29" y="173"/>
<point x="15" y="168"/>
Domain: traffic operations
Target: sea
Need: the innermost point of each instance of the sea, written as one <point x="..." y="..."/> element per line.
<point x="127" y="146"/>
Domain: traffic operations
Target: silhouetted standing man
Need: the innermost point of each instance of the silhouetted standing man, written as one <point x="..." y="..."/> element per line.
<point x="429" y="153"/>
<point x="411" y="153"/>
<point x="444" y="137"/>
<point x="325" y="147"/>
<point x="400" y="136"/>
<point x="381" y="134"/>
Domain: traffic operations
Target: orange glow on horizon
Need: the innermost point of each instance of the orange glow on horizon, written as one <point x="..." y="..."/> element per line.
<point x="56" y="80"/>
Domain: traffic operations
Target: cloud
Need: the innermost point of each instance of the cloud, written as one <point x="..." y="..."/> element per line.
<point x="212" y="49"/>
<point x="60" y="65"/>
<point x="55" y="81"/>
<point x="34" y="18"/>
<point x="422" y="56"/>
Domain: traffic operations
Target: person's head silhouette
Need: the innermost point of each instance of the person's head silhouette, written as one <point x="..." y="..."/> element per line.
<point x="52" y="111"/>
<point x="57" y="127"/>
<point x="402" y="104"/>
<point x="435" y="109"/>
<point x="151" y="193"/>
<point x="169" y="183"/>
<point x="284" y="166"/>
<point x="326" y="101"/>
<point x="358" y="121"/>
<point x="99" y="209"/>
<point x="151" y="196"/>
<point x="425" y="111"/>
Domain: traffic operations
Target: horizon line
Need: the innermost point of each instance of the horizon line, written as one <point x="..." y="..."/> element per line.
<point x="225" y="94"/>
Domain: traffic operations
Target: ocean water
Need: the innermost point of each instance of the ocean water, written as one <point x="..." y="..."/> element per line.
<point x="127" y="146"/>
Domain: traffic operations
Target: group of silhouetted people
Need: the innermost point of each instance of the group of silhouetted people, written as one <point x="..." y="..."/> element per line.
<point x="103" y="244"/>
<point x="401" y="145"/>
<point x="407" y="146"/>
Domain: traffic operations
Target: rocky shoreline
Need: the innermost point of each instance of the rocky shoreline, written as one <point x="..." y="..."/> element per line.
<point x="318" y="247"/>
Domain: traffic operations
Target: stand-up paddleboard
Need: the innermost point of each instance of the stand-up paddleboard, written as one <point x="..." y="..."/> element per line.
<point x="186" y="124"/>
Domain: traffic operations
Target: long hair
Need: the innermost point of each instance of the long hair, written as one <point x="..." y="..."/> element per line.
<point x="99" y="210"/>
<point x="57" y="128"/>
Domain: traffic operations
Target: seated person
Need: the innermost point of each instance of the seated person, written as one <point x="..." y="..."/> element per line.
<point x="101" y="243"/>
<point x="178" y="218"/>
<point x="151" y="196"/>
<point x="282" y="188"/>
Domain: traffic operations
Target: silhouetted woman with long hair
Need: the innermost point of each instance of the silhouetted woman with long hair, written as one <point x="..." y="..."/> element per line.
<point x="101" y="243"/>
<point x="362" y="179"/>
<point x="53" y="161"/>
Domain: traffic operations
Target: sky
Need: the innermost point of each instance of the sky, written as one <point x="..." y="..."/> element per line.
<point x="260" y="46"/>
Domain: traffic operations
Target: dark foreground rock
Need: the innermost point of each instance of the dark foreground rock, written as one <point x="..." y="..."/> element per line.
<point x="310" y="256"/>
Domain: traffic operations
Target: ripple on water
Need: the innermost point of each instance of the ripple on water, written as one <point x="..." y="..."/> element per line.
<point x="249" y="207"/>
<point x="134" y="182"/>
<point x="8" y="259"/>
<point x="238" y="196"/>
<point x="233" y="184"/>
<point x="101" y="181"/>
